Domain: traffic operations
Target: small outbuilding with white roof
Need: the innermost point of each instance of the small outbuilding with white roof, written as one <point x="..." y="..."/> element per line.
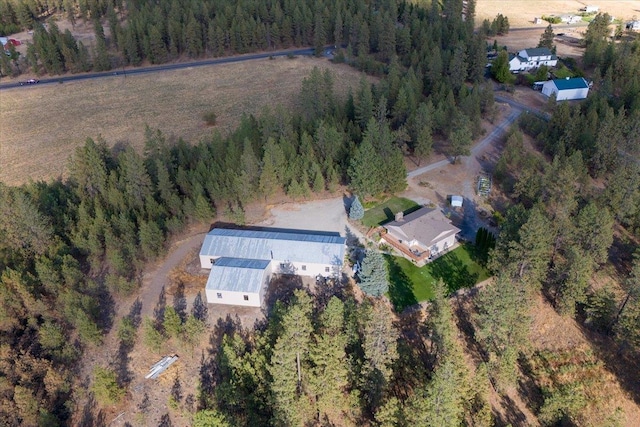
<point x="566" y="89"/>
<point x="242" y="261"/>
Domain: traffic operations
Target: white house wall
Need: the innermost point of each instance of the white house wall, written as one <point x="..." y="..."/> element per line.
<point x="443" y="245"/>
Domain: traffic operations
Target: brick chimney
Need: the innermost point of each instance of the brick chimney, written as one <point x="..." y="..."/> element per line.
<point x="400" y="216"/>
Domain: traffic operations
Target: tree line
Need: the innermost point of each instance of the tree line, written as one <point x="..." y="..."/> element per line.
<point x="69" y="245"/>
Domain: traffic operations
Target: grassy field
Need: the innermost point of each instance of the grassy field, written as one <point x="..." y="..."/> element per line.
<point x="411" y="284"/>
<point x="40" y="126"/>
<point x="522" y="12"/>
<point x="386" y="211"/>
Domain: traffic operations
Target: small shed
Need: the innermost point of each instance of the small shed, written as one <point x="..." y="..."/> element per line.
<point x="456" y="201"/>
<point x="566" y="89"/>
<point x="591" y="9"/>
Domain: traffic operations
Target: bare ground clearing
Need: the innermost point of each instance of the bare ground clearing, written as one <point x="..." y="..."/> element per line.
<point x="522" y="12"/>
<point x="567" y="46"/>
<point x="42" y="126"/>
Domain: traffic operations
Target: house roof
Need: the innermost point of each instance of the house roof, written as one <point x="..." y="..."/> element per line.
<point x="237" y="275"/>
<point x="292" y="246"/>
<point x="574" y="83"/>
<point x="426" y="225"/>
<point x="538" y="51"/>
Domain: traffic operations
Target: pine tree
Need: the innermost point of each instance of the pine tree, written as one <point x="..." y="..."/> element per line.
<point x="356" y="212"/>
<point x="374" y="274"/>
<point x="503" y="322"/>
<point x="289" y="362"/>
<point x="380" y="345"/>
<point x="546" y="39"/>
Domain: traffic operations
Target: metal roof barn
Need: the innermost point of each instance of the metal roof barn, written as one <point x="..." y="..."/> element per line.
<point x="237" y="275"/>
<point x="274" y="245"/>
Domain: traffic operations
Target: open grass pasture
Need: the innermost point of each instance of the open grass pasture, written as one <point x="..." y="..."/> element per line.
<point x="522" y="12"/>
<point x="382" y="213"/>
<point x="40" y="126"/>
<point x="411" y="284"/>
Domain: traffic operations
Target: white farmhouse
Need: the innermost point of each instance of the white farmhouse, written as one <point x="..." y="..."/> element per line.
<point x="242" y="261"/>
<point x="591" y="9"/>
<point x="528" y="59"/>
<point x="566" y="89"/>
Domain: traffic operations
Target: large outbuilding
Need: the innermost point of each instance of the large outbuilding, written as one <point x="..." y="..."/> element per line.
<point x="242" y="261"/>
<point x="566" y="89"/>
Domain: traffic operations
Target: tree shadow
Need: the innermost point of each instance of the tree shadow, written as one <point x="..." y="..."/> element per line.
<point x="281" y="288"/>
<point x="107" y="306"/>
<point x="135" y="313"/>
<point x="400" y="286"/>
<point x="227" y="326"/>
<point x="123" y="373"/>
<point x="512" y="415"/>
<point x="327" y="288"/>
<point x="450" y="269"/>
<point x="389" y="214"/>
<point x="180" y="302"/>
<point x="411" y="369"/>
<point x="347" y="202"/>
<point x="619" y="359"/>
<point x="158" y="311"/>
<point x="89" y="418"/>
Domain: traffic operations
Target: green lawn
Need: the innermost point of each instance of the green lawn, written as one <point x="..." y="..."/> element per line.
<point x="411" y="284"/>
<point x="386" y="211"/>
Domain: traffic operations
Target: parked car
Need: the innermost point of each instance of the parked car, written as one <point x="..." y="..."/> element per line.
<point x="29" y="82"/>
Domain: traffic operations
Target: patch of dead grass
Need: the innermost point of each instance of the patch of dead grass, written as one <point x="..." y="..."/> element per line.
<point x="522" y="12"/>
<point x="42" y="125"/>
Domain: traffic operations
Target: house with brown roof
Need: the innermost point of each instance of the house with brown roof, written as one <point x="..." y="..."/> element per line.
<point x="421" y="235"/>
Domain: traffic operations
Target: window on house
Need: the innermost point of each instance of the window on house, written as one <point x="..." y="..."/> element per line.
<point x="246" y="297"/>
<point x="219" y="295"/>
<point x="283" y="265"/>
<point x="304" y="268"/>
<point x="327" y="269"/>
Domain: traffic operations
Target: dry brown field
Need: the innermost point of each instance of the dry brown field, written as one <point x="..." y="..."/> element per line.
<point x="522" y="12"/>
<point x="40" y="126"/>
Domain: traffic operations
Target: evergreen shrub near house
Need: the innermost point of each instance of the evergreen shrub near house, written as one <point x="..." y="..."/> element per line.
<point x="356" y="212"/>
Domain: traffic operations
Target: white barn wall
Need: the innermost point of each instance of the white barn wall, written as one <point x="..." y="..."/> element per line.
<point x="312" y="270"/>
<point x="234" y="298"/>
<point x="568" y="94"/>
<point x="237" y="298"/>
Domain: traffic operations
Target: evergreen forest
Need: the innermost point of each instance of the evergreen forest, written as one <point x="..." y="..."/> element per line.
<point x="72" y="247"/>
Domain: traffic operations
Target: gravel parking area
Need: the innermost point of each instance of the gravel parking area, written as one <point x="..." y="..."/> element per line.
<point x="317" y="215"/>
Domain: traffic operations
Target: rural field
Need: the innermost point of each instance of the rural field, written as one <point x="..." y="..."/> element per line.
<point x="48" y="122"/>
<point x="522" y="12"/>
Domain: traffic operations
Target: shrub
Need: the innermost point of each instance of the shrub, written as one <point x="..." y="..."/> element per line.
<point x="210" y="118"/>
<point x="552" y="19"/>
<point x="105" y="386"/>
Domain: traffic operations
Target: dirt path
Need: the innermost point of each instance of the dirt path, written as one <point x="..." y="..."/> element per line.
<point x="157" y="277"/>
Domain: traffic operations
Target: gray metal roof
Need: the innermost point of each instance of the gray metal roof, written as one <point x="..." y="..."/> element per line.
<point x="292" y="246"/>
<point x="538" y="51"/>
<point x="237" y="275"/>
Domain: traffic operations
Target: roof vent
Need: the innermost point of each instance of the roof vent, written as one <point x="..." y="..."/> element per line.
<point x="400" y="216"/>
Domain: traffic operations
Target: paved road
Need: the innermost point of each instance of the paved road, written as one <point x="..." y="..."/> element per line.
<point x="167" y="67"/>
<point x="495" y="134"/>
